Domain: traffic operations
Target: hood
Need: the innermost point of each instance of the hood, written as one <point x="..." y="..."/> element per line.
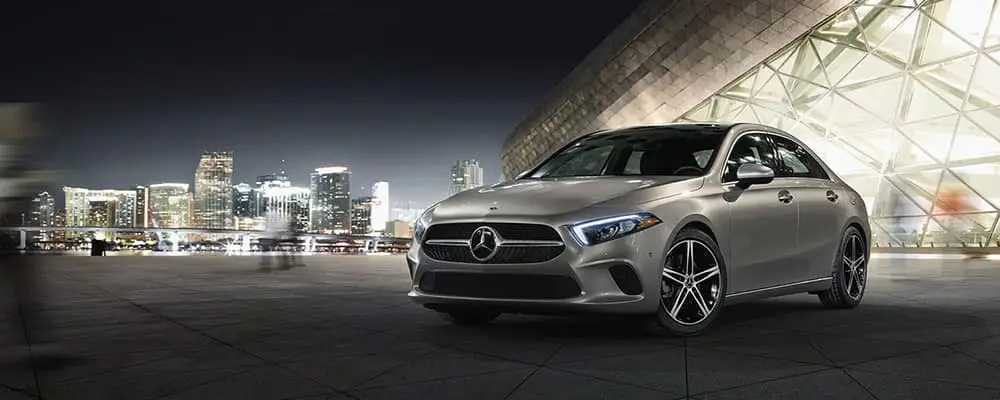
<point x="544" y="197"/>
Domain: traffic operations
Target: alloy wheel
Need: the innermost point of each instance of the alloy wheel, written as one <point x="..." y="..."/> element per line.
<point x="854" y="267"/>
<point x="692" y="282"/>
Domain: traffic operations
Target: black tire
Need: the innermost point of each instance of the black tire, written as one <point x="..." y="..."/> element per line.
<point x="844" y="292"/>
<point x="468" y="316"/>
<point x="662" y="323"/>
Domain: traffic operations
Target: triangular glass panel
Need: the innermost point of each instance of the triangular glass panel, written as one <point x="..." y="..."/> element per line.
<point x="779" y="60"/>
<point x="982" y="178"/>
<point x="937" y="235"/>
<point x="973" y="229"/>
<point x="768" y="85"/>
<point x="805" y="64"/>
<point x="942" y="44"/>
<point x="971" y="142"/>
<point x="967" y="19"/>
<point x="723" y="108"/>
<point x="743" y="88"/>
<point x="839" y="60"/>
<point x="993" y="34"/>
<point x="890" y="30"/>
<point x="899" y="231"/>
<point x="921" y="186"/>
<point x="931" y="137"/>
<point x="843" y="30"/>
<point x="932" y="98"/>
<point x="948" y="79"/>
<point x="845" y="159"/>
<point x="745" y="114"/>
<point x="847" y="118"/>
<point x="985" y="91"/>
<point x="875" y="145"/>
<point x="879" y="98"/>
<point x="813" y="139"/>
<point x="816" y="110"/>
<point x="798" y="88"/>
<point x="766" y="115"/>
<point x="700" y="113"/>
<point x="892" y="202"/>
<point x="872" y="67"/>
<point x="988" y="119"/>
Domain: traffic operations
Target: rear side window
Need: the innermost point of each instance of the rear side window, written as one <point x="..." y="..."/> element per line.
<point x="795" y="161"/>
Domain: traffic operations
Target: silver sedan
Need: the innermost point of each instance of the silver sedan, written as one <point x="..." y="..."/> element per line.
<point x="669" y="223"/>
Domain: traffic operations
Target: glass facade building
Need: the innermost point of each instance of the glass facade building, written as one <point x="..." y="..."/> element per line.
<point x="899" y="100"/>
<point x="895" y="95"/>
<point x="213" y="191"/>
<point x="465" y="175"/>
<point x="170" y="205"/>
<point x="330" y="200"/>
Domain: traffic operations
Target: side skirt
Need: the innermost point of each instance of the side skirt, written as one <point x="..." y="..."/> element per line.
<point x="812" y="285"/>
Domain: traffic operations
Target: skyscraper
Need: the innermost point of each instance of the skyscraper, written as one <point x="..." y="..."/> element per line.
<point x="361" y="216"/>
<point x="170" y="205"/>
<point x="43" y="210"/>
<point x="465" y="175"/>
<point x="330" y="200"/>
<point x="141" y="219"/>
<point x="380" y="206"/>
<point x="213" y="186"/>
<point x="79" y="211"/>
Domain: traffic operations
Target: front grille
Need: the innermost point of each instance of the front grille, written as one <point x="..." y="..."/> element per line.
<point x="499" y="286"/>
<point x="506" y="254"/>
<point x="512" y="231"/>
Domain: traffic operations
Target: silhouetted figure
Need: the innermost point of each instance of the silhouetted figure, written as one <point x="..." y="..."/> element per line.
<point x="98" y="248"/>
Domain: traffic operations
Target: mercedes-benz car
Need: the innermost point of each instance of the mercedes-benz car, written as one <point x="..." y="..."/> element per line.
<point x="669" y="223"/>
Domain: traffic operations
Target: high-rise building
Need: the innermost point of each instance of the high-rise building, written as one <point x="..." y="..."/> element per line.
<point x="380" y="206"/>
<point x="286" y="205"/>
<point x="330" y="204"/>
<point x="79" y="209"/>
<point x="898" y="97"/>
<point x="213" y="187"/>
<point x="361" y="216"/>
<point x="43" y="210"/>
<point x="465" y="175"/>
<point x="141" y="218"/>
<point x="102" y="212"/>
<point x="170" y="205"/>
<point x="245" y="201"/>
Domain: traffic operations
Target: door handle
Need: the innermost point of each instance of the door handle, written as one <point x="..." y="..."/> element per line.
<point x="831" y="195"/>
<point x="784" y="196"/>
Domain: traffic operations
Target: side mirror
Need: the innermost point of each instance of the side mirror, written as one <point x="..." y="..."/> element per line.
<point x="753" y="174"/>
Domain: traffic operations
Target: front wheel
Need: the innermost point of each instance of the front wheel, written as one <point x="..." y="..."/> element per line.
<point x="692" y="286"/>
<point x="850" y="273"/>
<point x="469" y="316"/>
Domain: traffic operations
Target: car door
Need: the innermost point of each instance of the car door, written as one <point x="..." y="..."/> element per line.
<point x="820" y="208"/>
<point x="763" y="220"/>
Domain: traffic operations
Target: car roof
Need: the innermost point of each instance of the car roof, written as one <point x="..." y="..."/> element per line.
<point x="720" y="127"/>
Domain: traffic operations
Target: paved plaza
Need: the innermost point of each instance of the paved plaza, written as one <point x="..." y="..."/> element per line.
<point x="215" y="327"/>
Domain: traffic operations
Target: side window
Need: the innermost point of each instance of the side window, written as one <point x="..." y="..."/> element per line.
<point x="796" y="161"/>
<point x="748" y="149"/>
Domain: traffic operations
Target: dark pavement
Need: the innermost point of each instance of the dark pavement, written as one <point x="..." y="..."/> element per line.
<point x="214" y="327"/>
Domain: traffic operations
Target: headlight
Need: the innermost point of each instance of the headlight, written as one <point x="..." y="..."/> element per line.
<point x="606" y="229"/>
<point x="418" y="229"/>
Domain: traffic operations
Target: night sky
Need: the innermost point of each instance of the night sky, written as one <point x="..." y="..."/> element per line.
<point x="396" y="90"/>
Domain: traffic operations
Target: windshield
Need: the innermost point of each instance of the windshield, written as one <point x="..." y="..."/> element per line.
<point x="677" y="151"/>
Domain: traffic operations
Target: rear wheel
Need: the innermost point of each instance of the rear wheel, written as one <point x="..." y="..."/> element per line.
<point x="469" y="315"/>
<point x="692" y="286"/>
<point x="850" y="273"/>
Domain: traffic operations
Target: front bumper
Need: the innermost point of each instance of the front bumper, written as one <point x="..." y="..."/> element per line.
<point x="579" y="280"/>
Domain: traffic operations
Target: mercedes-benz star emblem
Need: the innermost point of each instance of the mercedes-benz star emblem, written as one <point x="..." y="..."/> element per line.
<point x="483" y="243"/>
